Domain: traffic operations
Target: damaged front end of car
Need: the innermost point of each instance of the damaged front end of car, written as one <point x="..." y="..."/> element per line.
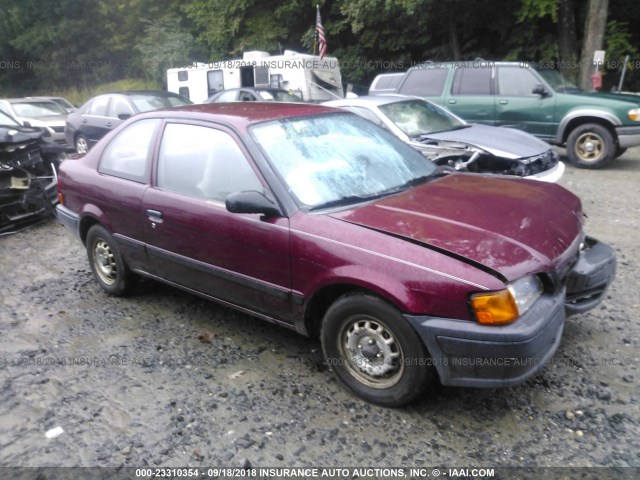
<point x="468" y="158"/>
<point x="28" y="178"/>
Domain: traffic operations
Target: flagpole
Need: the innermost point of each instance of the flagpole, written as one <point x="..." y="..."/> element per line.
<point x="315" y="32"/>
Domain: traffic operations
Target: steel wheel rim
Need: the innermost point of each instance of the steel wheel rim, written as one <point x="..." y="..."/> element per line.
<point x="371" y="352"/>
<point x="81" y="145"/>
<point x="589" y="147"/>
<point x="104" y="261"/>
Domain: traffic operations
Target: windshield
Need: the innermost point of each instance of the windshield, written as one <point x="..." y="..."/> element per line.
<point x="557" y="81"/>
<point x="38" y="109"/>
<point x="328" y="158"/>
<point x="6" y="120"/>
<point x="146" y="103"/>
<point x="278" y="96"/>
<point x="417" y="117"/>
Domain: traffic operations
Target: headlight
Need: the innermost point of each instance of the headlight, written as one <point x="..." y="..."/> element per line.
<point x="505" y="306"/>
<point x="634" y="114"/>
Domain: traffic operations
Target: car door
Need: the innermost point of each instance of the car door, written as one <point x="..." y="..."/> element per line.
<point x="95" y="122"/>
<point x="125" y="171"/>
<point x="191" y="238"/>
<point x="471" y="94"/>
<point x="518" y="107"/>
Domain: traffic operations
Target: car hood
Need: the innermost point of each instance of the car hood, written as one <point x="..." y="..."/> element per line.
<point x="509" y="227"/>
<point x="499" y="141"/>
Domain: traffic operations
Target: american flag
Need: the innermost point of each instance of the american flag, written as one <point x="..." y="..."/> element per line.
<point x="322" y="42"/>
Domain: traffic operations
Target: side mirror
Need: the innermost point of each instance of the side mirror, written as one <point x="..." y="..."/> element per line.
<point x="251" y="202"/>
<point x="540" y="90"/>
<point x="124" y="116"/>
<point x="26" y="124"/>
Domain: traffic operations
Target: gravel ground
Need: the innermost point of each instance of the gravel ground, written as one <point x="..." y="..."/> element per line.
<point x="163" y="378"/>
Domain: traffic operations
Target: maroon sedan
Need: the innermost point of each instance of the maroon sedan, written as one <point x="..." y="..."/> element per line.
<point x="320" y="221"/>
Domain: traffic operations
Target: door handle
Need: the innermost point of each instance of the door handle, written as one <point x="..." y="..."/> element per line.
<point x="452" y="102"/>
<point x="154" y="215"/>
<point x="84" y="120"/>
<point x="108" y="124"/>
<point x="504" y="102"/>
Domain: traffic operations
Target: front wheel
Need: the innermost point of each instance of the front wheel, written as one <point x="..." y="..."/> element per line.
<point x="107" y="264"/>
<point x="590" y="146"/>
<point x="373" y="350"/>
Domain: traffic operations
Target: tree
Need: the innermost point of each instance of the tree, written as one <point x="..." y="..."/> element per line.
<point x="595" y="27"/>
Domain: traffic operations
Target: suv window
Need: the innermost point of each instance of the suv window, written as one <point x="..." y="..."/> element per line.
<point x="203" y="162"/>
<point x="472" y="81"/>
<point x="516" y="82"/>
<point x="128" y="153"/>
<point x="99" y="106"/>
<point x="424" y="82"/>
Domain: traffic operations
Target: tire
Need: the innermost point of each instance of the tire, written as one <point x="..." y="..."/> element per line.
<point x="620" y="152"/>
<point x="590" y="146"/>
<point x="373" y="350"/>
<point x="107" y="264"/>
<point x="81" y="144"/>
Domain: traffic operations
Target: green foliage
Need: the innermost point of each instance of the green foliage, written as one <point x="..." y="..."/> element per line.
<point x="165" y="44"/>
<point x="534" y="9"/>
<point x="74" y="45"/>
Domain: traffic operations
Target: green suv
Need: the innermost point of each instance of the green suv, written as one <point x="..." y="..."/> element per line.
<point x="594" y="127"/>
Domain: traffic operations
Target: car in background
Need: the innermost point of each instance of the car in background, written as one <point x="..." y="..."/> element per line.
<point x="101" y="114"/>
<point x="446" y="139"/>
<point x="28" y="181"/>
<point x="385" y="83"/>
<point x="254" y="95"/>
<point x="63" y="102"/>
<point x="594" y="127"/>
<point x="35" y="112"/>
<point x="315" y="219"/>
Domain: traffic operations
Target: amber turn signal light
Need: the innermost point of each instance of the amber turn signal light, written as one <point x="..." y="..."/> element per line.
<point x="496" y="308"/>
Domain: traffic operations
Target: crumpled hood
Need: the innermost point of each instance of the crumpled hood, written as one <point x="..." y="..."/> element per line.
<point x="499" y="141"/>
<point x="510" y="226"/>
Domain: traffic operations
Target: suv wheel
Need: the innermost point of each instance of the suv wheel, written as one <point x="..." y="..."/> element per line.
<point x="374" y="351"/>
<point x="590" y="146"/>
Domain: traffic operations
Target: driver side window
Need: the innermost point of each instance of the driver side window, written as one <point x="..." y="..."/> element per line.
<point x="203" y="162"/>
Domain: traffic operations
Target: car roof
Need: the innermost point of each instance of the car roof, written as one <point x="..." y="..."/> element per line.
<point x="371" y="100"/>
<point x="242" y="113"/>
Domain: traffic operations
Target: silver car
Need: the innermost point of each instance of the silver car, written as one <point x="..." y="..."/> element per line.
<point x="446" y="139"/>
<point x="33" y="112"/>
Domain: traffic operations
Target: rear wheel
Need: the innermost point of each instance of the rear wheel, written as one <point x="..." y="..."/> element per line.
<point x="590" y="146"/>
<point x="374" y="351"/>
<point x="107" y="264"/>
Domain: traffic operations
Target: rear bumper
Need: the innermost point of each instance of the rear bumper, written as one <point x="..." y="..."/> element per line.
<point x="68" y="218"/>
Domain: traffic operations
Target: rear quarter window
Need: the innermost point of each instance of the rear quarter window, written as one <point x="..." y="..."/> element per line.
<point x="127" y="155"/>
<point x="427" y="82"/>
<point x="472" y="81"/>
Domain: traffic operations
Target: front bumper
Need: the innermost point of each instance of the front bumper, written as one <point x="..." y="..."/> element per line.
<point x="468" y="354"/>
<point x="628" y="136"/>
<point x="590" y="277"/>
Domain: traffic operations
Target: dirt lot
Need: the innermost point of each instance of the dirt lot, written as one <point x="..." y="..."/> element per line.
<point x="163" y="378"/>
